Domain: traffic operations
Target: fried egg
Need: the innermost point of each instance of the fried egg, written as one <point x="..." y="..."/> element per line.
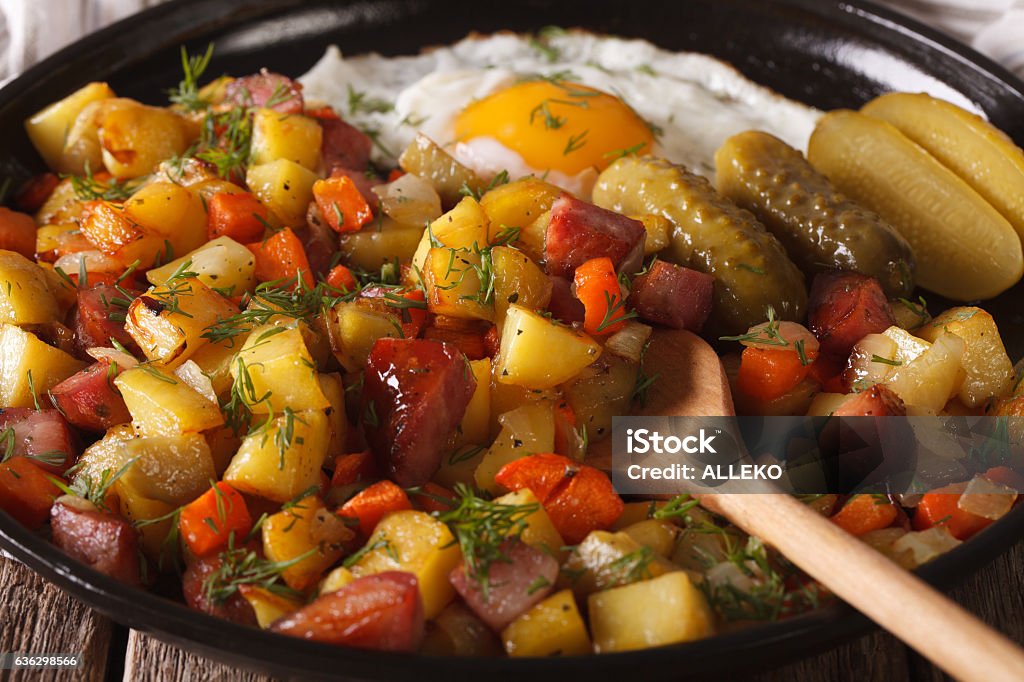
<point x="562" y="106"/>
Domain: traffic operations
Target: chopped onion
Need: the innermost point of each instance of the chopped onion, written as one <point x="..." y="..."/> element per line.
<point x="883" y="540"/>
<point x="629" y="341"/>
<point x="728" y="573"/>
<point x="871" y="361"/>
<point x="113" y="356"/>
<point x="76" y="503"/>
<point x="926" y="544"/>
<point x="986" y="499"/>
<point x="410" y="200"/>
<point x="193" y="376"/>
<point x="790" y="332"/>
<point x="95" y="261"/>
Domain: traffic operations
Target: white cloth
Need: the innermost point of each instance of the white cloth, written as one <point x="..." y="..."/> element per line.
<point x="32" y="29"/>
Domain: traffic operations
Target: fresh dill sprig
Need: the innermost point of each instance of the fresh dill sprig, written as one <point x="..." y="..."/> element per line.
<point x="186" y="95"/>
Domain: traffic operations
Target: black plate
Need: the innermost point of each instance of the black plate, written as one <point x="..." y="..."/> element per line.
<point x="827" y="53"/>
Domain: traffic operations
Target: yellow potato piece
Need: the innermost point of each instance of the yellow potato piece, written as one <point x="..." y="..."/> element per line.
<point x="965" y="249"/>
<point x="551" y="628"/>
<point x="981" y="154"/>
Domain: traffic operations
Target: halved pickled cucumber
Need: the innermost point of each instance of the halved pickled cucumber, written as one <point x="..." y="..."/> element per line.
<point x="819" y="227"/>
<point x="965" y="249"/>
<point x="710" y="234"/>
<point x="981" y="154"/>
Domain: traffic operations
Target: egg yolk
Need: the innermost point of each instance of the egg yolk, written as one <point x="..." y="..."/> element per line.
<point x="557" y="125"/>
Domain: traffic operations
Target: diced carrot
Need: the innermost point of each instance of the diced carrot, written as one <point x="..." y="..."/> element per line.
<point x="371" y="505"/>
<point x="939" y="508"/>
<point x="342" y="204"/>
<point x="433" y="498"/>
<point x="207" y="523"/>
<point x="351" y="468"/>
<point x="598" y="288"/>
<point x="342" y="279"/>
<point x="578" y="498"/>
<point x="280" y="257"/>
<point x="395" y="174"/>
<point x="766" y="374"/>
<point x="36" y="190"/>
<point x="827" y="371"/>
<point x="240" y="216"/>
<point x="323" y="112"/>
<point x="26" y="492"/>
<point x="864" y="513"/>
<point x="17" y="232"/>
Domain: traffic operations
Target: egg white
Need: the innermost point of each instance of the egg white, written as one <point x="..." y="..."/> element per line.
<point x="694" y="101"/>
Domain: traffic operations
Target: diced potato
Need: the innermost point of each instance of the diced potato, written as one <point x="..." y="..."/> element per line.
<point x="215" y="359"/>
<point x="658" y="535"/>
<point x="335" y="580"/>
<point x="908" y="346"/>
<point x="224" y="443"/>
<point x="909" y="315"/>
<point x="106" y="454"/>
<point x="410" y="200"/>
<point x="416" y="542"/>
<point x="659" y="232"/>
<point x="285" y="187"/>
<point x="355" y="329"/>
<point x="528" y="343"/>
<point x="635" y="512"/>
<point x="518" y="203"/>
<point x="170" y="212"/>
<point x="989" y="370"/>
<point x="136" y="138"/>
<point x="931" y="379"/>
<point x="25" y="294"/>
<point x="162" y="404"/>
<point x="135" y="508"/>
<point x="665" y="610"/>
<point x="872" y="360"/>
<point x="62" y="206"/>
<point x="508" y="397"/>
<point x="268" y="606"/>
<point x="285" y="136"/>
<point x="527" y="430"/>
<point x="824" y="404"/>
<point x="273" y="465"/>
<point x="170" y="469"/>
<point x="383" y="241"/>
<point x="517" y="279"/>
<point x="697" y="548"/>
<point x="168" y="322"/>
<point x="63" y="292"/>
<point x="296" y="531"/>
<point x="277" y="365"/>
<point x="883" y="541"/>
<point x="476" y="422"/>
<point x="222" y="264"/>
<point x="51" y="238"/>
<point x="604" y="560"/>
<point x="459" y="465"/>
<point x="452" y="280"/>
<point x="334" y="391"/>
<point x="464" y="227"/>
<point x="106" y="225"/>
<point x="539" y="531"/>
<point x="21" y="353"/>
<point x="48" y="129"/>
<point x="601" y="391"/>
<point x="533" y="237"/>
<point x="447" y="176"/>
<point x="551" y="628"/>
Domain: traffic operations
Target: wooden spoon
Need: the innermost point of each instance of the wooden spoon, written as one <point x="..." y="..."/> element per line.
<point x="692" y="382"/>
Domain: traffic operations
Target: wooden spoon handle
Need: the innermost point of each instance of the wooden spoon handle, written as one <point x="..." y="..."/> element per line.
<point x="896" y="599"/>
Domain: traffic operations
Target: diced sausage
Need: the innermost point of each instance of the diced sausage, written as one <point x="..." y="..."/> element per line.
<point x="41" y="435"/>
<point x="193" y="586"/>
<point x="381" y="612"/>
<point x="106" y="543"/>
<point x="877" y="401"/>
<point x="466" y="335"/>
<point x="563" y="305"/>
<point x="579" y="231"/>
<point x="89" y="400"/>
<point x="414" y="395"/>
<point x="672" y="295"/>
<point x="844" y="308"/>
<point x="344" y="145"/>
<point x="97" y="319"/>
<point x="513" y="585"/>
<point x="319" y="240"/>
<point x="281" y="93"/>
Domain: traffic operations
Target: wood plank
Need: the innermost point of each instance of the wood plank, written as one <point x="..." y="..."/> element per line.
<point x="150" y="660"/>
<point x="40" y="618"/>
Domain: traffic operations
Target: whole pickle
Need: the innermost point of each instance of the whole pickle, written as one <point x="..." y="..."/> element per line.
<point x="710" y="234"/>
<point x="819" y="227"/>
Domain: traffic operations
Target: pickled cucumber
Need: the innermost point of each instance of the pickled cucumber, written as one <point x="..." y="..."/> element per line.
<point x="819" y="227"/>
<point x="964" y="248"/>
<point x="710" y="234"/>
<point x="981" y="154"/>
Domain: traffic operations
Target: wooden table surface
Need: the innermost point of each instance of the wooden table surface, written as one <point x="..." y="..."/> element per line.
<point x="41" y="618"/>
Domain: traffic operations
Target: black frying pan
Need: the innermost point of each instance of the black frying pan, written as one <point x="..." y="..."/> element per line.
<point x="824" y="52"/>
